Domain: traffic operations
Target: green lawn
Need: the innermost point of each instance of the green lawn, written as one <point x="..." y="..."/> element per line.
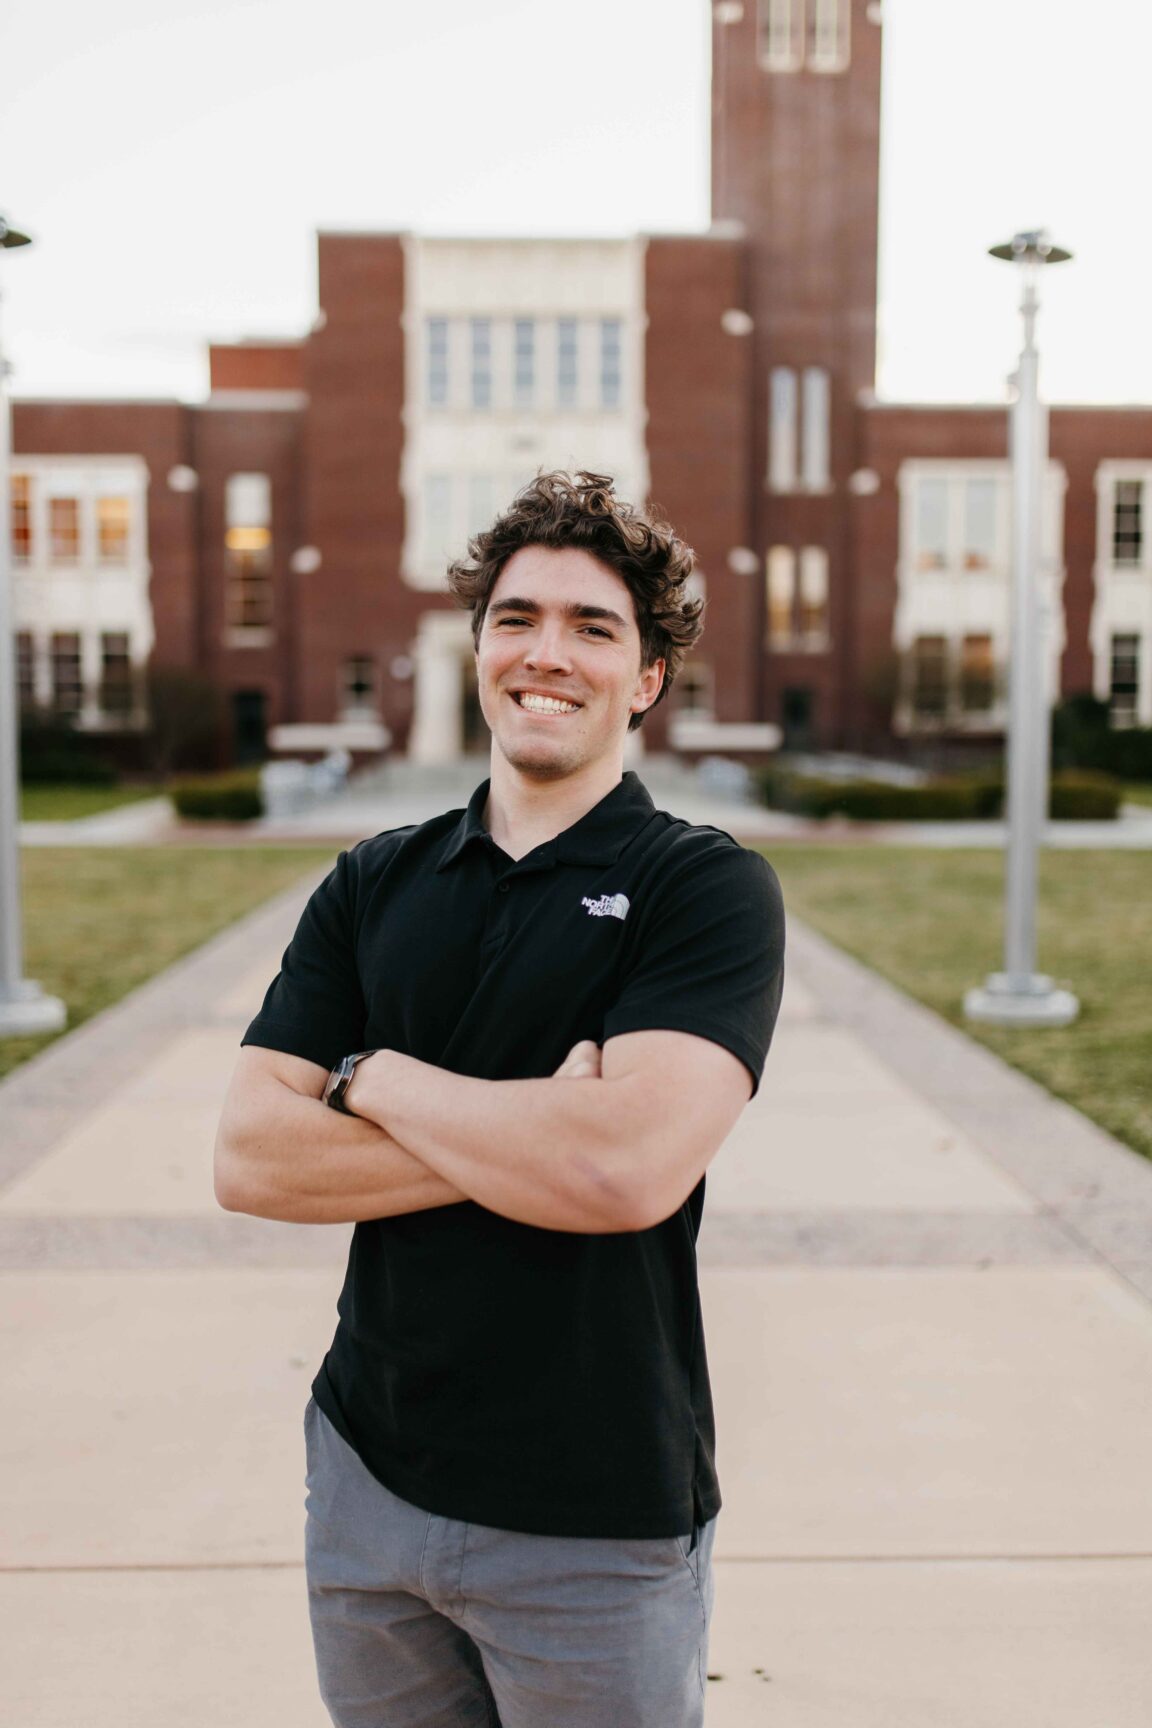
<point x="1138" y="793"/>
<point x="100" y="920"/>
<point x="931" y="922"/>
<point x="65" y="803"/>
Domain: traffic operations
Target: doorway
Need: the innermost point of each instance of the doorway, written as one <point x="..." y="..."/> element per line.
<point x="249" y="727"/>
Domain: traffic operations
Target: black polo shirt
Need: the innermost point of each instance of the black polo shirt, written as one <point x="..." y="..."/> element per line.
<point x="538" y="1380"/>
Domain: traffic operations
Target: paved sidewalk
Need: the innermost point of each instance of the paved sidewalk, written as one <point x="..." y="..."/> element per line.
<point x="928" y="1290"/>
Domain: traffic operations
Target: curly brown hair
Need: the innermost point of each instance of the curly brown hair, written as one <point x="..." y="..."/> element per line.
<point x="560" y="510"/>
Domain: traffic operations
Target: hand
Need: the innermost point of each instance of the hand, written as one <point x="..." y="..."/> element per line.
<point x="581" y="1063"/>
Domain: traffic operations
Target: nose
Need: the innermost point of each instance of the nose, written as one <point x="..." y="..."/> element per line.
<point x="548" y="650"/>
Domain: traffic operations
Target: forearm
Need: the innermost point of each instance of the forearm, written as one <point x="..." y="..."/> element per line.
<point x="282" y="1155"/>
<point x="557" y="1153"/>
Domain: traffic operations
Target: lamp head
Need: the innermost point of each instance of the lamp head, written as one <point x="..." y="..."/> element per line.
<point x="1030" y="246"/>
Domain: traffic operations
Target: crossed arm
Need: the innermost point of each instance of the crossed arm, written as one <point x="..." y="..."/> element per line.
<point x="615" y="1140"/>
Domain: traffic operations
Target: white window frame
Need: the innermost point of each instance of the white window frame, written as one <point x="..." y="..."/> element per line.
<point x="567" y="379"/>
<point x="1122" y="718"/>
<point x="816" y="429"/>
<point x="524" y="362"/>
<point x="437" y="362"/>
<point x="780" y="34"/>
<point x="783" y="417"/>
<point x="828" y="47"/>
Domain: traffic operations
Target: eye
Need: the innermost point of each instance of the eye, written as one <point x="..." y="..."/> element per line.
<point x="597" y="630"/>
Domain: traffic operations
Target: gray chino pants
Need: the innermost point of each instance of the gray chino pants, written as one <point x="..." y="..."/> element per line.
<point x="427" y="1622"/>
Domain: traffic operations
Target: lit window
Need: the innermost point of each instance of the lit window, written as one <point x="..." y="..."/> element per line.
<point x="977" y="675"/>
<point x="1124" y="679"/>
<point x="829" y="22"/>
<point x="436" y="332"/>
<point x="481" y="362"/>
<point x="781" y="595"/>
<point x="693" y="689"/>
<point x="117" y="695"/>
<point x="567" y="362"/>
<point x="112" y="522"/>
<point x="67" y="684"/>
<point x="930" y="677"/>
<point x="1128" y="522"/>
<point x="979" y="524"/>
<point x="782" y="429"/>
<point x="816" y="406"/>
<point x="360" y="687"/>
<point x="610" y="358"/>
<point x="21" y="518"/>
<point x="780" y="30"/>
<point x="932" y="525"/>
<point x="64" y="529"/>
<point x="25" y="669"/>
<point x="524" y="362"/>
<point x="248" y="550"/>
<point x="814" y="596"/>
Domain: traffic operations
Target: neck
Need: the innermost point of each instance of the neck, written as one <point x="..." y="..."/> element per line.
<point x="522" y="812"/>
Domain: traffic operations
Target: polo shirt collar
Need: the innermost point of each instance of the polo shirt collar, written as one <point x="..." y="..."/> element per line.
<point x="598" y="837"/>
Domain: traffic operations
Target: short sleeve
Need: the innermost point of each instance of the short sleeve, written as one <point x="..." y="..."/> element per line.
<point x="709" y="955"/>
<point x="314" y="1007"/>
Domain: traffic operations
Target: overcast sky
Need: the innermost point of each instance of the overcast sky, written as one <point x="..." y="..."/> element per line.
<point x="173" y="162"/>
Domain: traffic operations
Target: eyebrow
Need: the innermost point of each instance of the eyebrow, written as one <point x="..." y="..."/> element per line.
<point x="573" y="609"/>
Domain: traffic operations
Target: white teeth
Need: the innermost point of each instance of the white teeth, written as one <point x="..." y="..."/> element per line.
<point x="546" y="704"/>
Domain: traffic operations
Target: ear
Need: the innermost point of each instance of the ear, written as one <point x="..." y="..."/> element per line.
<point x="649" y="687"/>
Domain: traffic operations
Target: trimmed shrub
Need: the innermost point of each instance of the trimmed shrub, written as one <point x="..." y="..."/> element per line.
<point x="1083" y="797"/>
<point x="234" y="797"/>
<point x="52" y="752"/>
<point x="935" y="801"/>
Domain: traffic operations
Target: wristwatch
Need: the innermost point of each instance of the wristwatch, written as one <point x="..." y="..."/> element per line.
<point x="339" y="1080"/>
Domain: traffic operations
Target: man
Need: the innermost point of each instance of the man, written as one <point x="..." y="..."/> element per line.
<point x="553" y="1006"/>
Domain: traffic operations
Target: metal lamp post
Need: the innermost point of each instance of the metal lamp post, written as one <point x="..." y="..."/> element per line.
<point x="24" y="1008"/>
<point x="1019" y="995"/>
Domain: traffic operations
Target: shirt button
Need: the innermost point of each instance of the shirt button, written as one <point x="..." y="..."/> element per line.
<point x="503" y="887"/>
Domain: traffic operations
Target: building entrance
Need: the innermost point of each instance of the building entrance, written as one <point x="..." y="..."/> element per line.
<point x="249" y="727"/>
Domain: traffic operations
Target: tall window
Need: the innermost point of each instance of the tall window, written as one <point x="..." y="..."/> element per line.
<point x="436" y="332"/>
<point x="112" y="522"/>
<point x="1124" y="679"/>
<point x="1128" y="522"/>
<point x="359" y="692"/>
<point x="25" y="669"/>
<point x="67" y="684"/>
<point x="567" y="362"/>
<point x="524" y="362"/>
<point x="438" y="515"/>
<point x="932" y="524"/>
<point x="814" y="596"/>
<point x="977" y="675"/>
<point x="694" y="689"/>
<point x="781" y="34"/>
<point x="610" y="358"/>
<point x="481" y="362"/>
<point x="248" y="549"/>
<point x="980" y="524"/>
<point x="816" y="428"/>
<point x="929" y="665"/>
<point x="64" y="529"/>
<point x="781" y="578"/>
<point x="117" y="695"/>
<point x="21" y="518"/>
<point x="829" y="22"/>
<point x="782" y="408"/>
<point x="481" y="501"/>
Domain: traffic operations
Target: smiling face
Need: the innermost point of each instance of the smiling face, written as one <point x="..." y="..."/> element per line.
<point x="559" y="663"/>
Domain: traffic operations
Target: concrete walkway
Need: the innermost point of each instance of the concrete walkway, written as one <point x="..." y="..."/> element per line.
<point x="928" y="1291"/>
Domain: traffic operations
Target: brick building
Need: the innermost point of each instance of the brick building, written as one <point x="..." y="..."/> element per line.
<point x="288" y="536"/>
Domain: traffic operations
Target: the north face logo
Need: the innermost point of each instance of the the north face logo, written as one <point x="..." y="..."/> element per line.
<point x="608" y="906"/>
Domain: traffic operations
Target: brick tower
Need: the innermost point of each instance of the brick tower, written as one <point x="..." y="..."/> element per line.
<point x="795" y="162"/>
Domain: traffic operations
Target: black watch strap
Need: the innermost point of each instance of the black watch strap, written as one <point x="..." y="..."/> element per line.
<point x="338" y="1081"/>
